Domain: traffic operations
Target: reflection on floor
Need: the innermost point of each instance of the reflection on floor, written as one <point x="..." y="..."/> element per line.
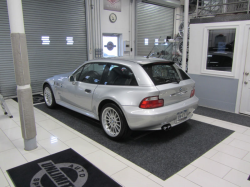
<point x="227" y="164"/>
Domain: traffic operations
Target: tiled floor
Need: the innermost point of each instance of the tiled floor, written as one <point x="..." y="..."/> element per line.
<point x="225" y="165"/>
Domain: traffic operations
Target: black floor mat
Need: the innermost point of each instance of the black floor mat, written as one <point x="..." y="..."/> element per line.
<point x="222" y="115"/>
<point x="161" y="153"/>
<point x="36" y="99"/>
<point x="66" y="168"/>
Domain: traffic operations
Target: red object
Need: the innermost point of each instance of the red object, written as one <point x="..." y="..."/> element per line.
<point x="192" y="93"/>
<point x="151" y="102"/>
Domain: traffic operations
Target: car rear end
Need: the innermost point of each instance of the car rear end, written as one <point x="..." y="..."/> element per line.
<point x="174" y="103"/>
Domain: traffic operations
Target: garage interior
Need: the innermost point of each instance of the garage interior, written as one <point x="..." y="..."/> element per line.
<point x="213" y="36"/>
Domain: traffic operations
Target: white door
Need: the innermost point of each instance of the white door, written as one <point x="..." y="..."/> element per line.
<point x="245" y="95"/>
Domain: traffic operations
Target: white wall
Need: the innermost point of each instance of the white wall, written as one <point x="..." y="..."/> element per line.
<point x="221" y="83"/>
<point x="122" y="25"/>
<point x="198" y="48"/>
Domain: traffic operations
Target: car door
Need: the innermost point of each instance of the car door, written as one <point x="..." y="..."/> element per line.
<point x="66" y="88"/>
<point x="86" y="84"/>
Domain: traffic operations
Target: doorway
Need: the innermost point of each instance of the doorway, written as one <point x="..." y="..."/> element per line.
<point x="245" y="94"/>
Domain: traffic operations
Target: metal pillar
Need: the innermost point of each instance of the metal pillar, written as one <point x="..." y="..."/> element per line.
<point x="22" y="74"/>
<point x="184" y="51"/>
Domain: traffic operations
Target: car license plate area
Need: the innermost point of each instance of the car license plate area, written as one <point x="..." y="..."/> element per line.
<point x="181" y="115"/>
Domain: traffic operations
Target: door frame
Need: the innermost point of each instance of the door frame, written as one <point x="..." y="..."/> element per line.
<point x="242" y="68"/>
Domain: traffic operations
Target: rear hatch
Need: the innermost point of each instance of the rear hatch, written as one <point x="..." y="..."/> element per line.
<point x="172" y="82"/>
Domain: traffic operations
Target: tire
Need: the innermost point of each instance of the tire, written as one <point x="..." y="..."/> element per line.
<point x="49" y="96"/>
<point x="113" y="122"/>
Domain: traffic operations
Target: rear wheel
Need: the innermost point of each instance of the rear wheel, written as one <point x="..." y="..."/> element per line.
<point x="49" y="96"/>
<point x="113" y="122"/>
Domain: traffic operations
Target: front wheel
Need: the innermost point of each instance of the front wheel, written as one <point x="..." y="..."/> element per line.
<point x="49" y="96"/>
<point x="113" y="122"/>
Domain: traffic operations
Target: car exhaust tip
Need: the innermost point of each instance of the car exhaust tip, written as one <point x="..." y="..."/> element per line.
<point x="166" y="127"/>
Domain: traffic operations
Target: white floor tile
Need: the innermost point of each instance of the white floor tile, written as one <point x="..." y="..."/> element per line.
<point x="81" y="146"/>
<point x="7" y="123"/>
<point x="247" y="132"/>
<point x="232" y="162"/>
<point x="63" y="134"/>
<point x="11" y="158"/>
<point x="133" y="166"/>
<point x="174" y="181"/>
<point x="233" y="151"/>
<point x="187" y="170"/>
<point x="53" y="145"/>
<point x="210" y="153"/>
<point x="227" y="140"/>
<point x="6" y="145"/>
<point x="36" y="154"/>
<point x="49" y="124"/>
<point x="39" y="117"/>
<point x="241" y="137"/>
<point x="240" y="144"/>
<point x="206" y="179"/>
<point x="131" y="178"/>
<point x="42" y="134"/>
<point x="228" y="125"/>
<point x="106" y="150"/>
<point x="211" y="166"/>
<point x="81" y="136"/>
<point x="13" y="133"/>
<point x="19" y="144"/>
<point x="238" y="178"/>
<point x="16" y="117"/>
<point x="247" y="157"/>
<point x="3" y="180"/>
<point x="104" y="162"/>
<point x="203" y="119"/>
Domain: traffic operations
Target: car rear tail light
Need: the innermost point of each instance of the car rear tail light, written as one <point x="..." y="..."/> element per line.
<point x="192" y="93"/>
<point x="151" y="102"/>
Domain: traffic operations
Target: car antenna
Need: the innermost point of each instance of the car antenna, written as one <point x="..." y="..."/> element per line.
<point x="152" y="48"/>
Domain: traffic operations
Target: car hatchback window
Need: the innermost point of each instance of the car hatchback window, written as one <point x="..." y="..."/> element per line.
<point x="164" y="73"/>
<point x="119" y="75"/>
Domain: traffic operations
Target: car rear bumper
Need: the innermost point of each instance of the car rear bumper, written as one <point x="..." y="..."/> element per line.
<point x="154" y="119"/>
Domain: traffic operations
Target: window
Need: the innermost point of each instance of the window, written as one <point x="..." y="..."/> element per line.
<point x="69" y="40"/>
<point x="110" y="46"/>
<point x="146" y="41"/>
<point x="45" y="40"/>
<point x="156" y="41"/>
<point x="164" y="73"/>
<point x="220" y="49"/>
<point x="90" y="73"/>
<point x="118" y="75"/>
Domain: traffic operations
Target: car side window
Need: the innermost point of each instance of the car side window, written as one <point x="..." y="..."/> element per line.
<point x="92" y="73"/>
<point x="77" y="74"/>
<point x="119" y="75"/>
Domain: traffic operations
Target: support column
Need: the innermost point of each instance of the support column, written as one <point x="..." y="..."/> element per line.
<point x="22" y="74"/>
<point x="185" y="37"/>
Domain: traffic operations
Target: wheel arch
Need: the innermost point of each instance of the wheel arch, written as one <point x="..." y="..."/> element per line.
<point x="105" y="101"/>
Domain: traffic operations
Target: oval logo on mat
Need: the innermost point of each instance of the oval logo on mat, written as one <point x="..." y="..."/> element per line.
<point x="57" y="174"/>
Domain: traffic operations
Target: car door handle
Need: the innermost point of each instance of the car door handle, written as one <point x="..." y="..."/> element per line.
<point x="87" y="91"/>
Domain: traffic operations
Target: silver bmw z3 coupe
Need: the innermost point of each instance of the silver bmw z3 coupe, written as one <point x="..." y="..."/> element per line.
<point x="126" y="94"/>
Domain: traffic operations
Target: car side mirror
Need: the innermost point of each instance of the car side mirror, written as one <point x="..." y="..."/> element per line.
<point x="72" y="79"/>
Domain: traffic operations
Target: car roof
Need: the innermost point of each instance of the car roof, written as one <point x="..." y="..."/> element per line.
<point x="131" y="59"/>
